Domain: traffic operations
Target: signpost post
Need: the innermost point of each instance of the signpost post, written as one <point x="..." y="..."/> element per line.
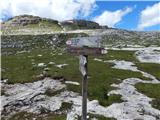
<point x="84" y="46"/>
<point x="84" y="69"/>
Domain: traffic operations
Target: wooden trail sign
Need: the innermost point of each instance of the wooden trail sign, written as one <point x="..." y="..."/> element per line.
<point x="84" y="46"/>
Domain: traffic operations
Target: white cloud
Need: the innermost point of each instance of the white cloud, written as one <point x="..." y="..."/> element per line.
<point x="112" y="18"/>
<point x="150" y="16"/>
<point x="55" y="9"/>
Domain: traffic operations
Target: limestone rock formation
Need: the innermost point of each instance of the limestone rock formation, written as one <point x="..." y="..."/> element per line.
<point x="80" y="24"/>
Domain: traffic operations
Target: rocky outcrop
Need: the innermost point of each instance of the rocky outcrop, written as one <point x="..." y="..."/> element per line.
<point x="32" y="98"/>
<point x="80" y="24"/>
<point x="123" y="38"/>
<point x="23" y="20"/>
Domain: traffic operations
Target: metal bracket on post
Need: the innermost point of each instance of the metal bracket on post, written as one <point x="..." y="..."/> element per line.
<point x="83" y="66"/>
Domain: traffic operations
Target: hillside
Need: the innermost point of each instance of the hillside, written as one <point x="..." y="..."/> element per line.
<point x="28" y="24"/>
<point x="126" y="38"/>
<point x="33" y="25"/>
<point x="41" y="80"/>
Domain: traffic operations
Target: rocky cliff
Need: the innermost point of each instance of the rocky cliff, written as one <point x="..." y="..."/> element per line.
<point x="80" y="24"/>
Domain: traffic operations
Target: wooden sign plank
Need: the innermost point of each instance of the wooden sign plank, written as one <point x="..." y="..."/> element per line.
<point x="85" y="46"/>
<point x="85" y="41"/>
<point x="85" y="51"/>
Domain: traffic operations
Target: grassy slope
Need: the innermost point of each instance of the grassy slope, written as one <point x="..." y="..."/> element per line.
<point x="18" y="68"/>
<point x="121" y="55"/>
<point x="41" y="27"/>
<point x="151" y="68"/>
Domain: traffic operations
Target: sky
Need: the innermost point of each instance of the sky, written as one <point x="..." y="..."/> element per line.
<point x="132" y="15"/>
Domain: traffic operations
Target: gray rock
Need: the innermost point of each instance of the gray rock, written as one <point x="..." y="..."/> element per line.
<point x="80" y="24"/>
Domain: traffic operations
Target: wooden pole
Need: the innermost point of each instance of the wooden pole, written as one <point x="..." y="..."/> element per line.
<point x="84" y="70"/>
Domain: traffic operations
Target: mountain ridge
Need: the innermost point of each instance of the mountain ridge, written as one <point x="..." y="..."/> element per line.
<point x="29" y="22"/>
<point x="34" y="25"/>
<point x="23" y="21"/>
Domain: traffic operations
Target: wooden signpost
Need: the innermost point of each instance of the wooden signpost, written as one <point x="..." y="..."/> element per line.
<point x="84" y="46"/>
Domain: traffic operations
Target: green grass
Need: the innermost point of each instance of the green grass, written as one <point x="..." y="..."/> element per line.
<point x="151" y="90"/>
<point x="46" y="25"/>
<point x="156" y="103"/>
<point x="50" y="92"/>
<point x="151" y="68"/>
<point x="108" y="100"/>
<point x="99" y="117"/>
<point x="19" y="69"/>
<point x="30" y="116"/>
<point x="121" y="55"/>
<point x="65" y="106"/>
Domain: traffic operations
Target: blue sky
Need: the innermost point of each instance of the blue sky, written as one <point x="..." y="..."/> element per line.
<point x="130" y="20"/>
<point x="131" y="15"/>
